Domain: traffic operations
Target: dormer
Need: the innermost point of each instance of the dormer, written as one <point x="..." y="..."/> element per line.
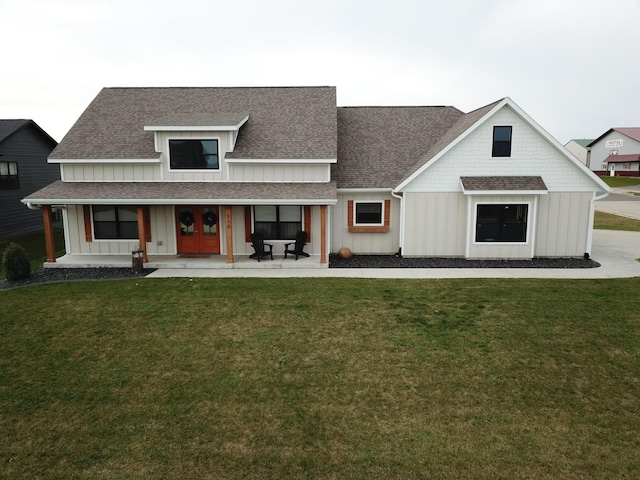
<point x="193" y="146"/>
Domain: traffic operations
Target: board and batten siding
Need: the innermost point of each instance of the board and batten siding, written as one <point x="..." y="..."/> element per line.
<point x="563" y="224"/>
<point x="289" y="172"/>
<point x="435" y="224"/>
<point x="364" y="243"/>
<point x="111" y="172"/>
<point x="163" y="234"/>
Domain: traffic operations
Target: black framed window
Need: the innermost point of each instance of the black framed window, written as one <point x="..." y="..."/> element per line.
<point x="368" y="213"/>
<point x="112" y="222"/>
<point x="194" y="154"/>
<point x="502" y="223"/>
<point x="278" y="222"/>
<point x="501" y="141"/>
<point x="9" y="179"/>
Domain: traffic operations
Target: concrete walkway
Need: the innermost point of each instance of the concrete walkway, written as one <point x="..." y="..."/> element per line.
<point x="615" y="251"/>
<point x="623" y="201"/>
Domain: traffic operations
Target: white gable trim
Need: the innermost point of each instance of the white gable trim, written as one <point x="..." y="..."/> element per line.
<point x="198" y="128"/>
<point x="528" y="120"/>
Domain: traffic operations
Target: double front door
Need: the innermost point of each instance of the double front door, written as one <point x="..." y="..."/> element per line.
<point x="198" y="229"/>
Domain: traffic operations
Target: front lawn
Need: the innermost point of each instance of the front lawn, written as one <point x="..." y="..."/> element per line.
<point x="321" y="378"/>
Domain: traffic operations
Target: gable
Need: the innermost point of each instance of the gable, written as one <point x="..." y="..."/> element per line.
<point x="533" y="154"/>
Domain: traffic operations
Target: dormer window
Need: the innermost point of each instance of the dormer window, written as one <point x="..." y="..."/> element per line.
<point x="194" y="154"/>
<point x="501" y="141"/>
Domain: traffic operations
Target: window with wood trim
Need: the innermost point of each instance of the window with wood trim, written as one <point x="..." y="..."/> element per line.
<point x="115" y="222"/>
<point x="278" y="222"/>
<point x="369" y="216"/>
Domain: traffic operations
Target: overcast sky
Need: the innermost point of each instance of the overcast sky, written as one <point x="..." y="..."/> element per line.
<point x="573" y="65"/>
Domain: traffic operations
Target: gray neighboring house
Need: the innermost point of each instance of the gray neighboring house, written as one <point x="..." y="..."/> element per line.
<point x="616" y="153"/>
<point x="24" y="148"/>
<point x="195" y="171"/>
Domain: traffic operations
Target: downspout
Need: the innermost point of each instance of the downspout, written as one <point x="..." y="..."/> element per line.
<point x="592" y="212"/>
<point x="401" y="240"/>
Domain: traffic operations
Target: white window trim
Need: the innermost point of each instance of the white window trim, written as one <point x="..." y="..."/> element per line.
<point x="355" y="213"/>
<point x="196" y="137"/>
<point x="474" y="224"/>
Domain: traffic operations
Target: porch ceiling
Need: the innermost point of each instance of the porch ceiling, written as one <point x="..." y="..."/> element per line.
<point x="185" y="193"/>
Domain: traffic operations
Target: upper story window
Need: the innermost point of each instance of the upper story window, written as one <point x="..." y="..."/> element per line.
<point x="9" y="176"/>
<point x="501" y="141"/>
<point x="194" y="154"/>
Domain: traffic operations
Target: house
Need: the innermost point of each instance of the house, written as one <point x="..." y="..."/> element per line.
<point x="189" y="171"/>
<point x="616" y="152"/>
<point x="579" y="147"/>
<point x="24" y="148"/>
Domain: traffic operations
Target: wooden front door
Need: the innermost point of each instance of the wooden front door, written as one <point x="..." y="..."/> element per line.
<point x="198" y="229"/>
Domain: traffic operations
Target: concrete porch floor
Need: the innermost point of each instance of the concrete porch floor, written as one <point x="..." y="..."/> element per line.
<point x="182" y="262"/>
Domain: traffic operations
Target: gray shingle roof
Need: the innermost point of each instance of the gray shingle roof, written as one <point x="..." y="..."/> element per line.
<point x="504" y="183"/>
<point x="181" y="192"/>
<point x="284" y="122"/>
<point x="379" y="146"/>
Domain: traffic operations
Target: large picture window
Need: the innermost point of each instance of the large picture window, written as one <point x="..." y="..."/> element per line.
<point x="9" y="176"/>
<point x="501" y="142"/>
<point x="115" y="222"/>
<point x="505" y="223"/>
<point x="278" y="222"/>
<point x="194" y="154"/>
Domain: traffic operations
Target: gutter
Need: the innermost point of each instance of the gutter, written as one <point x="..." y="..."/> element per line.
<point x="401" y="240"/>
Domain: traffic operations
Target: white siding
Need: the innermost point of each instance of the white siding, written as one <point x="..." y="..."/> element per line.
<point x="563" y="224"/>
<point x="531" y="155"/>
<point x="111" y="172"/>
<point x="364" y="243"/>
<point x="162" y="234"/>
<point x="261" y="172"/>
<point x="435" y="224"/>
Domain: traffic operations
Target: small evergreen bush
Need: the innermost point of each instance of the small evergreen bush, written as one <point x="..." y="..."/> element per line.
<point x="15" y="262"/>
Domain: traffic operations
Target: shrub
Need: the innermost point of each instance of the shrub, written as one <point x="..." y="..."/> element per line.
<point x="15" y="262"/>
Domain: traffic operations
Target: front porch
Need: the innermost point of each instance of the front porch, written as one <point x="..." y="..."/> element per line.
<point x="186" y="262"/>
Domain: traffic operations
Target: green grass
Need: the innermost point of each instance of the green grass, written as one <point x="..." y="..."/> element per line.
<point x="621" y="181"/>
<point x="34" y="244"/>
<point x="608" y="221"/>
<point x="321" y="378"/>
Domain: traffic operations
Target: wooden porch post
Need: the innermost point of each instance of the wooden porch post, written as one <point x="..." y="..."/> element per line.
<point x="142" y="236"/>
<point x="323" y="234"/>
<point x="229" y="231"/>
<point x="48" y="233"/>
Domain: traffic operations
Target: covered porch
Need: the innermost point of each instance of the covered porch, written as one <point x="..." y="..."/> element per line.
<point x="154" y="223"/>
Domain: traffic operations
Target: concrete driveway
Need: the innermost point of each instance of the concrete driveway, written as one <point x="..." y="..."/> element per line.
<point x="624" y="201"/>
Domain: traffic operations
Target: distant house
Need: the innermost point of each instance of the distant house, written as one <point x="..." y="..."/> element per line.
<point x="194" y="171"/>
<point x="580" y="148"/>
<point x="24" y="148"/>
<point x="616" y="153"/>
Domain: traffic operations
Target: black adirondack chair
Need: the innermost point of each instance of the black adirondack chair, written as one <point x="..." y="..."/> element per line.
<point x="298" y="245"/>
<point x="261" y="249"/>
